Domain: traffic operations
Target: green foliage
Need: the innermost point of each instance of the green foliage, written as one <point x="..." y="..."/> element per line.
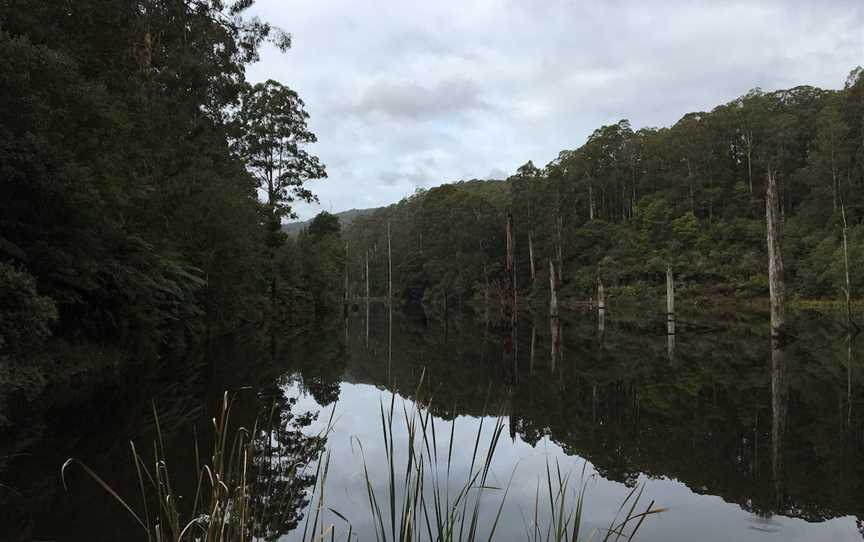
<point x="628" y="203"/>
<point x="25" y="316"/>
<point x="322" y="252"/>
<point x="132" y="149"/>
<point x="273" y="130"/>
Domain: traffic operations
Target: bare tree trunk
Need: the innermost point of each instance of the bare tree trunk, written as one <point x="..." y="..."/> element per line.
<point x="367" y="298"/>
<point x="590" y="203"/>
<point x="776" y="285"/>
<point x="555" y="334"/>
<point x="560" y="249"/>
<point x="531" y="257"/>
<point x="389" y="268"/>
<point x="670" y="292"/>
<point x="778" y="417"/>
<point x="601" y="297"/>
<point x="346" y="298"/>
<point x="510" y="301"/>
<point x="533" y="347"/>
<point x="389" y="342"/>
<point x="670" y="312"/>
<point x="601" y="326"/>
<point x="748" y="139"/>
<point x="623" y="203"/>
<point x="553" y="292"/>
<point x="833" y="171"/>
<point x="848" y="289"/>
<point x="849" y="379"/>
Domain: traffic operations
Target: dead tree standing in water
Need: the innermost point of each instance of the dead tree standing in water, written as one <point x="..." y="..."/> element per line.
<point x="346" y="299"/>
<point x="776" y="285"/>
<point x="850" y="323"/>
<point x="510" y="278"/>
<point x="777" y="290"/>
<point x="670" y="312"/>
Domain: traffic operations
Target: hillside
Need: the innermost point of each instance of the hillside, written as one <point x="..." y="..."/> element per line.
<point x="627" y="203"/>
<point x="346" y="218"/>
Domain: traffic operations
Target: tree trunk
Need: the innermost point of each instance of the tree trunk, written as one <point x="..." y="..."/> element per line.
<point x="560" y="249"/>
<point x="833" y="172"/>
<point x="670" y="312"/>
<point x="367" y="298"/>
<point x="553" y="292"/>
<point x="670" y="291"/>
<point x="389" y="268"/>
<point x="345" y="300"/>
<point x="848" y="288"/>
<point x="776" y="285"/>
<point x="778" y="417"/>
<point x="555" y="335"/>
<point x="531" y="257"/>
<point x="748" y="139"/>
<point x="601" y="296"/>
<point x="510" y="279"/>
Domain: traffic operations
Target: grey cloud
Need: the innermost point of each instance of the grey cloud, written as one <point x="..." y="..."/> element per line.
<point x="412" y="100"/>
<point x="435" y="92"/>
<point x="409" y="178"/>
<point x="496" y="173"/>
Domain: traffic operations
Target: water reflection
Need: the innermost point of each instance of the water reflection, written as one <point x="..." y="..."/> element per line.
<point x="633" y="407"/>
<point x="742" y="439"/>
<point x="34" y="506"/>
<point x="778" y="418"/>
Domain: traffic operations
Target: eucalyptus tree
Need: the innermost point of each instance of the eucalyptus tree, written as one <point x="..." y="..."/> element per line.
<point x="273" y="134"/>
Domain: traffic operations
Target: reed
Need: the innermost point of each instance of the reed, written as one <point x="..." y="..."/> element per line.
<point x="229" y="504"/>
<point x="420" y="498"/>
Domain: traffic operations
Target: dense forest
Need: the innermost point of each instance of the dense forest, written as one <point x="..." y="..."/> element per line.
<point x="146" y="184"/>
<point x="143" y="183"/>
<point x="627" y="203"/>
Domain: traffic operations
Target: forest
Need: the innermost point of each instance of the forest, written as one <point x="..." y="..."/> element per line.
<point x="151" y="252"/>
<point x="146" y="186"/>
<point x="143" y="182"/>
<point x="628" y="203"/>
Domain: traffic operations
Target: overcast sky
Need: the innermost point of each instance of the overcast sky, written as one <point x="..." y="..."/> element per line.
<point x="405" y="94"/>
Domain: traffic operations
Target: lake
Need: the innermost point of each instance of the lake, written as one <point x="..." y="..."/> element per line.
<point x="736" y="442"/>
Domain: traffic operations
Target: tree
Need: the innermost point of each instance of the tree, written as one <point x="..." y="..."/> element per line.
<point x="273" y="133"/>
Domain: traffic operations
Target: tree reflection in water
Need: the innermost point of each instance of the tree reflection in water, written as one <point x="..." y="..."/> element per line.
<point x="281" y="479"/>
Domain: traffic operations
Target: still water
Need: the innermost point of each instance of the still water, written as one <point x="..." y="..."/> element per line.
<point x="737" y="442"/>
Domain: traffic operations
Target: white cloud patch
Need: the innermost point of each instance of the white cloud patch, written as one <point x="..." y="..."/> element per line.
<point x="407" y="94"/>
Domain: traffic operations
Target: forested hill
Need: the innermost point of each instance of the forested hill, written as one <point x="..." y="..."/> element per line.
<point x="490" y="188"/>
<point x="345" y="219"/>
<point x="628" y="202"/>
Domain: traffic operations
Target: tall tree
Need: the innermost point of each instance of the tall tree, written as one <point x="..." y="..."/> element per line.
<point x="274" y="132"/>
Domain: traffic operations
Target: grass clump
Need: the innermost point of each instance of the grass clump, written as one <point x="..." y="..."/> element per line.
<point x="256" y="483"/>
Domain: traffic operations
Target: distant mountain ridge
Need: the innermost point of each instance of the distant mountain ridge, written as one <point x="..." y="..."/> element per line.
<point x="494" y="190"/>
<point x="345" y="219"/>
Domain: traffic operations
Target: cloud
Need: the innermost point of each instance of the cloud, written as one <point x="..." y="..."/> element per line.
<point x="412" y="100"/>
<point x="405" y="94"/>
<point x="497" y="174"/>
